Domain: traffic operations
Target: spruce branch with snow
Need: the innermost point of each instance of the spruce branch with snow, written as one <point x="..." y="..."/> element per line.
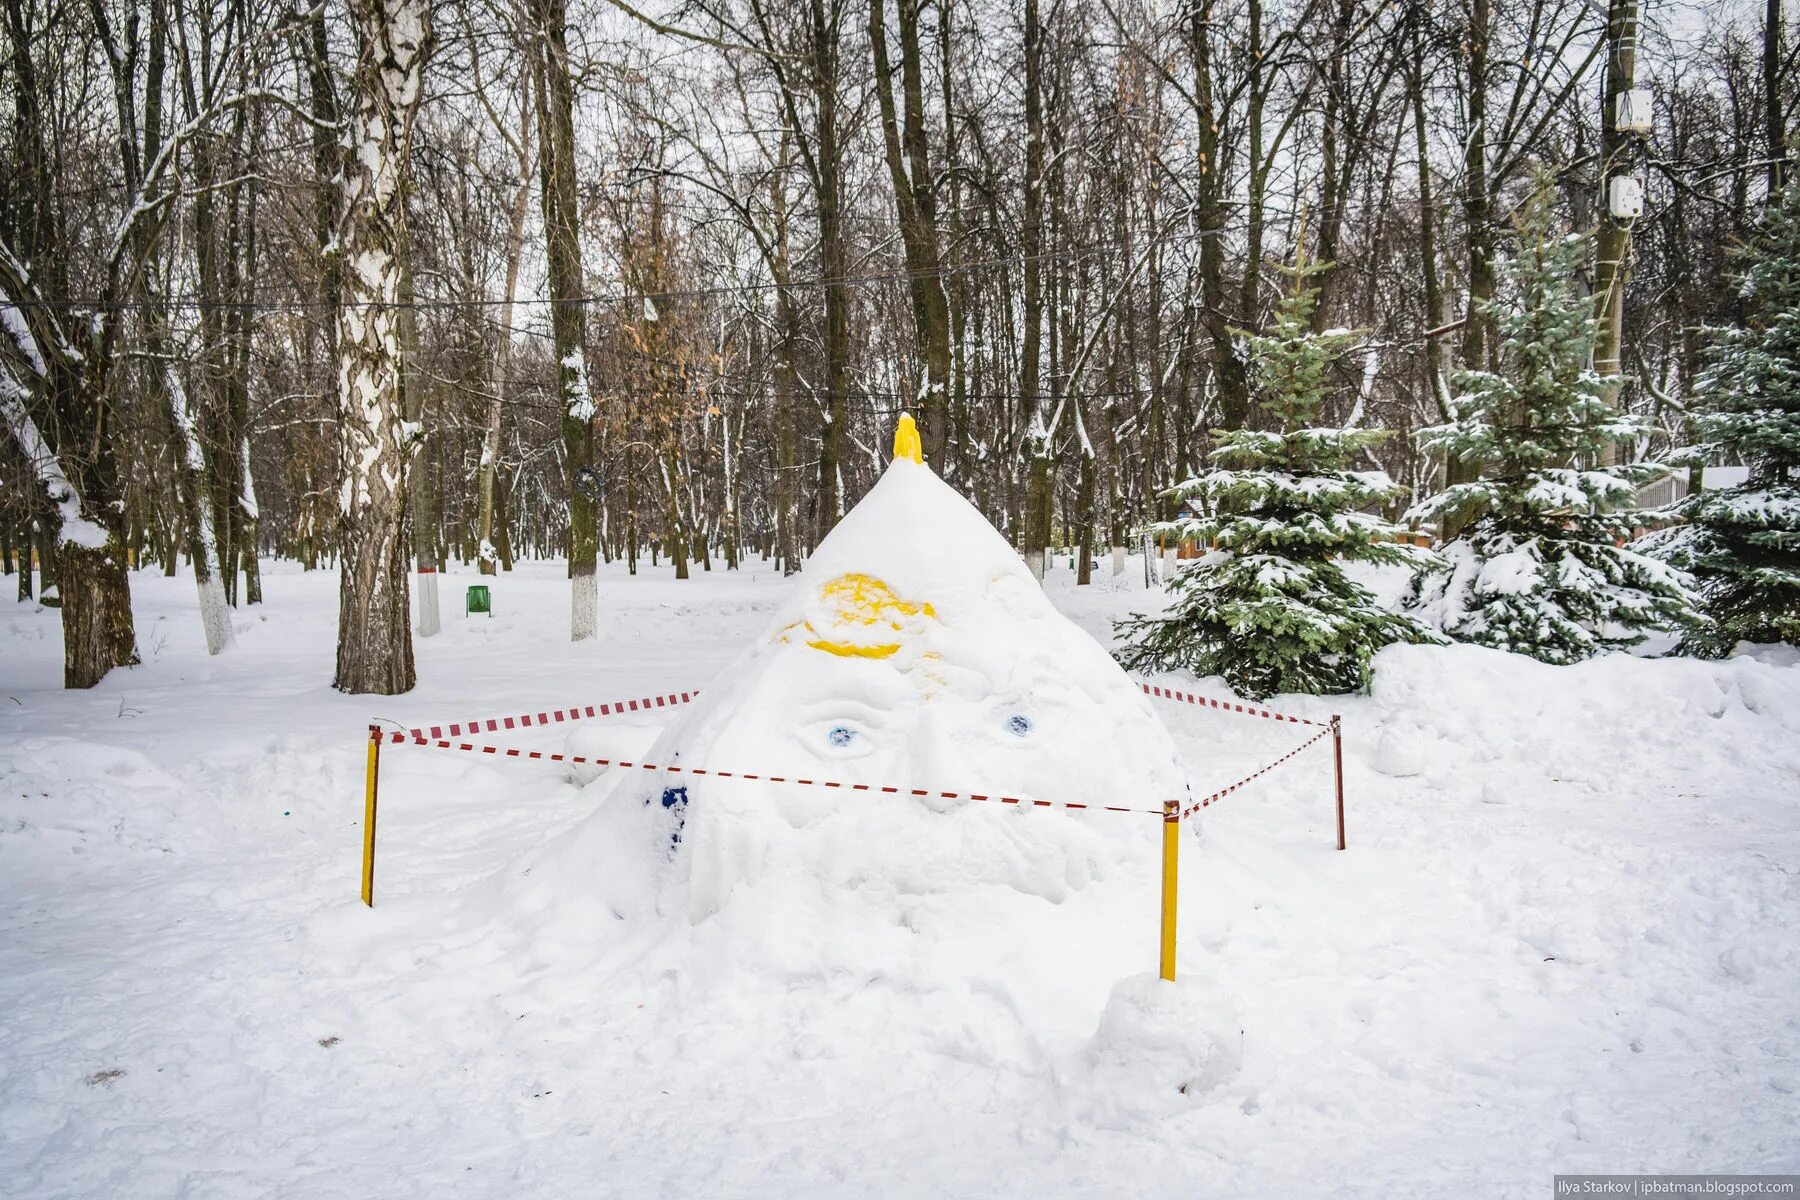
<point x="1541" y="567"/>
<point x="1742" y="544"/>
<point x="1269" y="606"/>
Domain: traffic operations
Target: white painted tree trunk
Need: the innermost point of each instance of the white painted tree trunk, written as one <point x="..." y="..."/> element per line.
<point x="584" y="606"/>
<point x="252" y="515"/>
<point x="487" y="558"/>
<point x="429" y="624"/>
<point x="215" y="610"/>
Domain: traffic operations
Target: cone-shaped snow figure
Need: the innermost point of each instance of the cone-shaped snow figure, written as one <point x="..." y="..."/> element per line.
<point x="917" y="652"/>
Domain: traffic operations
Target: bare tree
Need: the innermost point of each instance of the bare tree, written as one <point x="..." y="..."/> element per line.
<point x="554" y="92"/>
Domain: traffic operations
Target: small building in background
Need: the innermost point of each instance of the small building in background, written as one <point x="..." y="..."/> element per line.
<point x="1667" y="491"/>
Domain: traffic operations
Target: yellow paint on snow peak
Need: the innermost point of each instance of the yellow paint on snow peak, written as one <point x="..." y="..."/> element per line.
<point x="906" y="440"/>
<point x="859" y="616"/>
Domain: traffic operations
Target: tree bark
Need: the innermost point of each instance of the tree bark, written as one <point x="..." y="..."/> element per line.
<point x="191" y="481"/>
<point x="422" y="496"/>
<point x="787" y="391"/>
<point x="909" y="171"/>
<point x="375" y="651"/>
<point x="1034" y="531"/>
<point x="1229" y="380"/>
<point x="568" y="319"/>
<point x="1478" y="201"/>
<point x="1612" y="244"/>
<point x="95" y="600"/>
<point x="249" y="548"/>
<point x="835" y="258"/>
<point x="1773" y="27"/>
<point x="1436" y="351"/>
<point x="27" y="553"/>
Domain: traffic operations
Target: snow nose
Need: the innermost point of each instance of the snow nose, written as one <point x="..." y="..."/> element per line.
<point x="938" y="758"/>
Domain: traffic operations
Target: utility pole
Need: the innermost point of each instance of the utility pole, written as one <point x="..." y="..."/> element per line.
<point x="1772" y="107"/>
<point x="1624" y="123"/>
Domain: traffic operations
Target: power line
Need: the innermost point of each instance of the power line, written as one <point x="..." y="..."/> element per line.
<point x="298" y="307"/>
<point x="295" y="307"/>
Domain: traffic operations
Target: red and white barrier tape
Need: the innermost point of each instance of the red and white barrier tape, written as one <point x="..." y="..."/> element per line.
<point x="438" y="736"/>
<point x="927" y="793"/>
<point x="556" y="716"/>
<point x="1191" y="809"/>
<point x="1166" y="693"/>
<point x="672" y="699"/>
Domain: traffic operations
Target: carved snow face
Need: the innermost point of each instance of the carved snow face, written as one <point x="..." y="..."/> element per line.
<point x="987" y="688"/>
<point x="917" y="652"/>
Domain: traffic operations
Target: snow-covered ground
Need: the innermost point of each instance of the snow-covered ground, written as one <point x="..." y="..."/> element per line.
<point x="1565" y="938"/>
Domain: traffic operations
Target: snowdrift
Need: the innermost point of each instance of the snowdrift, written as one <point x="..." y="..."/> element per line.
<point x="1566" y="937"/>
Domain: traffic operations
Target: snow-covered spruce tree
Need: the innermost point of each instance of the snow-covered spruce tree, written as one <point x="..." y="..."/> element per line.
<point x="1742" y="544"/>
<point x="1269" y="607"/>
<point x="1539" y="567"/>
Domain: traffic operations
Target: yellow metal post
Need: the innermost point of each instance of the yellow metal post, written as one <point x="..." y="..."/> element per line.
<point x="368" y="874"/>
<point x="1171" y="856"/>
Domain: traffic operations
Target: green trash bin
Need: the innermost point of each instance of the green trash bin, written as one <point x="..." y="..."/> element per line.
<point x="477" y="600"/>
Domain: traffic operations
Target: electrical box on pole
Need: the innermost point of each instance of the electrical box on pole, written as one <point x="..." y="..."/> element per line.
<point x="1625" y="197"/>
<point x="1632" y="112"/>
<point x="1624" y="128"/>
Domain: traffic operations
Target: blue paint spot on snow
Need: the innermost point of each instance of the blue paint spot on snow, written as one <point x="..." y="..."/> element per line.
<point x="676" y="798"/>
<point x="1018" y="725"/>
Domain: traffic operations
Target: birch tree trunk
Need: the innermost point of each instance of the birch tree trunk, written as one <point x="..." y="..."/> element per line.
<point x="375" y="652"/>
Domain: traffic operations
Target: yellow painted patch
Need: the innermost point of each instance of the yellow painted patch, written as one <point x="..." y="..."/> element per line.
<point x="906" y="440"/>
<point x="846" y="650"/>
<point x="859" y="616"/>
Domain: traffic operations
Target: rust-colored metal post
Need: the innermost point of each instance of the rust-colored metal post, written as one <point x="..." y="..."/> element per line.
<point x="373" y="777"/>
<point x="1337" y="752"/>
<point x="1171" y="848"/>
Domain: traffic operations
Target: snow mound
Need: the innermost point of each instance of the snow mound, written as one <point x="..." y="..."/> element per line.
<point x="917" y="651"/>
<point x="1445" y="710"/>
<point x="71" y="799"/>
<point x="1161" y="1046"/>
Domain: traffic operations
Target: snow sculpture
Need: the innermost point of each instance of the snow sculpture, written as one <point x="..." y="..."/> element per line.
<point x="917" y="651"/>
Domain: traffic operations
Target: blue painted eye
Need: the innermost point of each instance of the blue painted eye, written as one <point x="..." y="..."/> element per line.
<point x="1018" y="724"/>
<point x="841" y="735"/>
